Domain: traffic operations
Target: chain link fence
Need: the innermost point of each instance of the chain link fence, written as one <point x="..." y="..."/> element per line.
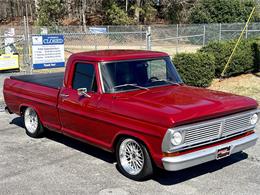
<point x="17" y="47"/>
<point x="168" y="38"/>
<point x="76" y="42"/>
<point x="78" y="38"/>
<point x="190" y="37"/>
<point x="177" y="38"/>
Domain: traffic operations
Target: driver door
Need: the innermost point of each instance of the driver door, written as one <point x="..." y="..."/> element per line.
<point x="76" y="111"/>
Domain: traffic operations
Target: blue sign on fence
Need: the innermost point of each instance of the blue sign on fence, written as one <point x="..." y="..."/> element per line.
<point x="48" y="51"/>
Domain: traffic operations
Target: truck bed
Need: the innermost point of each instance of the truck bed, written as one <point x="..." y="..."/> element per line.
<point x="53" y="80"/>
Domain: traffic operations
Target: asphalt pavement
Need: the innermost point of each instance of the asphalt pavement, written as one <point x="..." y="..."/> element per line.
<point x="57" y="164"/>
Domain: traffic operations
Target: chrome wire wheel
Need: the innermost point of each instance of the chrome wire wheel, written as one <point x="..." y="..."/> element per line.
<point x="31" y="120"/>
<point x="131" y="156"/>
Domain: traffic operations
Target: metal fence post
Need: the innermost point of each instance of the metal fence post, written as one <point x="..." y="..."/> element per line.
<point x="24" y="40"/>
<point x="108" y="31"/>
<point x="204" y="34"/>
<point x="148" y="38"/>
<point x="141" y="39"/>
<point x="26" y="47"/>
<point x="177" y="39"/>
<point x="95" y="36"/>
<point x="29" y="44"/>
<point x="220" y="29"/>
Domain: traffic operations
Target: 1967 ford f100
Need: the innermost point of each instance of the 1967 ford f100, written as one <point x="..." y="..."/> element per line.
<point x="134" y="103"/>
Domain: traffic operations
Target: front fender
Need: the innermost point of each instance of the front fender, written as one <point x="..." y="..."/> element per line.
<point x="152" y="143"/>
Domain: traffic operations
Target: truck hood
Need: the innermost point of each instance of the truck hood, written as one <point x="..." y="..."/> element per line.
<point x="176" y="105"/>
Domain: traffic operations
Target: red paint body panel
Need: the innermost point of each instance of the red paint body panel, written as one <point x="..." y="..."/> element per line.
<point x="43" y="99"/>
<point x="117" y="55"/>
<point x="176" y="105"/>
<point x="100" y="119"/>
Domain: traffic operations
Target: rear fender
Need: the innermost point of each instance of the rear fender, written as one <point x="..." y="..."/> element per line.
<point x="22" y="106"/>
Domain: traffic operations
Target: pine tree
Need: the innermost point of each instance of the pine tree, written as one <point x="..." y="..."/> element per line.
<point x="50" y="12"/>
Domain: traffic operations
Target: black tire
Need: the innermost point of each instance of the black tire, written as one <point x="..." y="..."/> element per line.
<point x="147" y="168"/>
<point x="38" y="129"/>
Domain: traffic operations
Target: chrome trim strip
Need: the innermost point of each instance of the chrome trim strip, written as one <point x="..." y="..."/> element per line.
<point x="208" y="154"/>
<point x="101" y="79"/>
<point x="221" y="128"/>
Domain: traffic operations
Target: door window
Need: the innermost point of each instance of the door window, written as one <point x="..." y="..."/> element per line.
<point x="84" y="77"/>
<point x="157" y="69"/>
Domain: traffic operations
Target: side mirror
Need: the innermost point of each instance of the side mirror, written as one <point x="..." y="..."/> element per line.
<point x="83" y="92"/>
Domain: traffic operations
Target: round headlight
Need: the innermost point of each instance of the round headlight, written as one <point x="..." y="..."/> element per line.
<point x="176" y="138"/>
<point x="254" y="119"/>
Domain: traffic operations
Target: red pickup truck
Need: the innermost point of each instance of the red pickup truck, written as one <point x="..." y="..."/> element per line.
<point x="134" y="103"/>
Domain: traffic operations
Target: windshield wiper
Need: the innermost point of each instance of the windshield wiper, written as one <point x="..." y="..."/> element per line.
<point x="167" y="81"/>
<point x="131" y="85"/>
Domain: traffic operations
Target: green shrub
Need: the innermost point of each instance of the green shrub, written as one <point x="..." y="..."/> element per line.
<point x="242" y="60"/>
<point x="196" y="69"/>
<point x="222" y="11"/>
<point x="256" y="48"/>
<point x="199" y="69"/>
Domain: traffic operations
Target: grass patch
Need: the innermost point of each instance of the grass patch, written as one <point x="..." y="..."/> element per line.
<point x="246" y="85"/>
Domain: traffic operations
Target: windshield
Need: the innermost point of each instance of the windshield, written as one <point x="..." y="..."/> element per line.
<point x="138" y="74"/>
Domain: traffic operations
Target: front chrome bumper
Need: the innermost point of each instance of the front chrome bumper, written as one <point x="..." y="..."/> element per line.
<point x="208" y="154"/>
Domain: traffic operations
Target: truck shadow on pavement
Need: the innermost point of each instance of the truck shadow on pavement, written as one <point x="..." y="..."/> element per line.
<point x="161" y="176"/>
<point x="72" y="143"/>
<point x="81" y="146"/>
<point x="170" y="178"/>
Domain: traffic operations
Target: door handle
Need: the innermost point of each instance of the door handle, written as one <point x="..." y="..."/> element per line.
<point x="64" y="95"/>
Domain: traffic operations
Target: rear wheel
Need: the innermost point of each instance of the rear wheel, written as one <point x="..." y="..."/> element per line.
<point x="133" y="159"/>
<point x="32" y="123"/>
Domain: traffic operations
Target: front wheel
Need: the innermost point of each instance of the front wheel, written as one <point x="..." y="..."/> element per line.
<point x="133" y="159"/>
<point x="32" y="123"/>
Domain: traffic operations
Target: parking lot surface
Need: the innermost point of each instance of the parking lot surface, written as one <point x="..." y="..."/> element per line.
<point x="57" y="164"/>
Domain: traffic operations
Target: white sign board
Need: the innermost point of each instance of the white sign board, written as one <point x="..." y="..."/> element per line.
<point x="97" y="30"/>
<point x="48" y="51"/>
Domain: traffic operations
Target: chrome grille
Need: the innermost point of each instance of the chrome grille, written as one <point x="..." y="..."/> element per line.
<point x="235" y="125"/>
<point x="217" y="129"/>
<point x="200" y="134"/>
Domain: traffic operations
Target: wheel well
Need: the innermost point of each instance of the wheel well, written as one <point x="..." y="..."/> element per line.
<point x="128" y="136"/>
<point x="22" y="109"/>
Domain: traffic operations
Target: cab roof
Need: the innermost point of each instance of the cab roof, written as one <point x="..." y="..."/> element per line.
<point x="114" y="55"/>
